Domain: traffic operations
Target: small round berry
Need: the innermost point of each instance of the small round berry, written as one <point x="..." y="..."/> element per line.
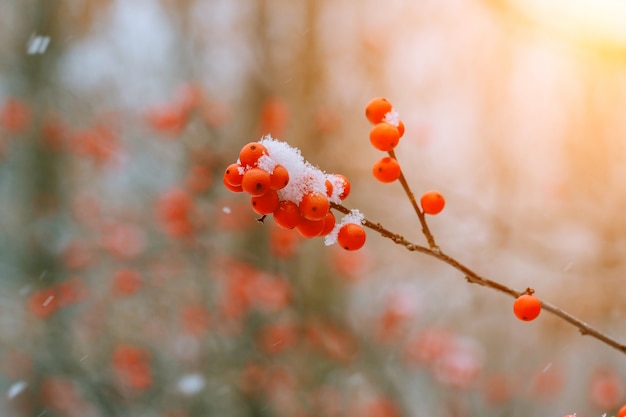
<point x="376" y="109"/>
<point x="527" y="307"/>
<point x="329" y="223"/>
<point x="386" y="169"/>
<point x="251" y="152"/>
<point x="351" y="236"/>
<point x="256" y="181"/>
<point x="342" y="182"/>
<point x="279" y="177"/>
<point x="314" y="206"/>
<point x="400" y="128"/>
<point x="310" y="228"/>
<point x="384" y="136"/>
<point x="287" y="215"/>
<point x="266" y="203"/>
<point x="432" y="202"/>
<point x="233" y="188"/>
<point x="233" y="174"/>
<point x="622" y="412"/>
<point x="346" y="186"/>
<point x="329" y="188"/>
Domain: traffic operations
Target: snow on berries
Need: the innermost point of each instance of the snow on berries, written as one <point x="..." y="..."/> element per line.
<point x="387" y="126"/>
<point x="282" y="183"/>
<point x="349" y="233"/>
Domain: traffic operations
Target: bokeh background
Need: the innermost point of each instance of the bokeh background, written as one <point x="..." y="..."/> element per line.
<point x="134" y="284"/>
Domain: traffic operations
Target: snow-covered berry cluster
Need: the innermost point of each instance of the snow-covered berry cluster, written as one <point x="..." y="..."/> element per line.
<point x="297" y="194"/>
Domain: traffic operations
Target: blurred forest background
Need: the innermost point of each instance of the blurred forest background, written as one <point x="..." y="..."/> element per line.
<point x="134" y="284"/>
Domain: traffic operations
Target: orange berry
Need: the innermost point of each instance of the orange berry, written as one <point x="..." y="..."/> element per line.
<point x="233" y="174"/>
<point x="279" y="178"/>
<point x="287" y="215"/>
<point x="310" y="228"/>
<point x="527" y="307"/>
<point x="346" y="187"/>
<point x="384" y="136"/>
<point x="432" y="202"/>
<point x="329" y="223"/>
<point x="622" y="412"/>
<point x="400" y="128"/>
<point x="233" y="188"/>
<point x="351" y="236"/>
<point x="266" y="203"/>
<point x="256" y="182"/>
<point x="251" y="152"/>
<point x="376" y="109"/>
<point x="329" y="188"/>
<point x="314" y="206"/>
<point x="386" y="169"/>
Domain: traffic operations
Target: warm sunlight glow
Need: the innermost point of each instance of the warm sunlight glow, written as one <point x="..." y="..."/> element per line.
<point x="601" y="21"/>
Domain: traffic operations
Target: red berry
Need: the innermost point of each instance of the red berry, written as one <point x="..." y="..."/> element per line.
<point x="376" y="109"/>
<point x="400" y="128"/>
<point x="432" y="202"/>
<point x="527" y="307"/>
<point x="329" y="188"/>
<point x="384" y="136"/>
<point x="287" y="215"/>
<point x="279" y="178"/>
<point x="256" y="182"/>
<point x="266" y="203"/>
<point x="351" y="236"/>
<point x="233" y="188"/>
<point x="251" y="152"/>
<point x="386" y="169"/>
<point x="329" y="223"/>
<point x="314" y="206"/>
<point x="310" y="228"/>
<point x="346" y="187"/>
<point x="233" y="174"/>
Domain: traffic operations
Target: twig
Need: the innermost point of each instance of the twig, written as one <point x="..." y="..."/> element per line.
<point x="475" y="278"/>
<point x="420" y="214"/>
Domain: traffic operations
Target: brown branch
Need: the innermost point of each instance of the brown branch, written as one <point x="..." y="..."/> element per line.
<point x="420" y="214"/>
<point x="475" y="278"/>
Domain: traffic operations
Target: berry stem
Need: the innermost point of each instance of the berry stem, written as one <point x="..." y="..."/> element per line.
<point x="474" y="278"/>
<point x="420" y="214"/>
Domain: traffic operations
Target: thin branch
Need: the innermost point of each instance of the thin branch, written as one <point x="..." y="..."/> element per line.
<point x="420" y="214"/>
<point x="475" y="278"/>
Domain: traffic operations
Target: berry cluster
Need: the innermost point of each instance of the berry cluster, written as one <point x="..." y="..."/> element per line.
<point x="298" y="195"/>
<point x="385" y="135"/>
